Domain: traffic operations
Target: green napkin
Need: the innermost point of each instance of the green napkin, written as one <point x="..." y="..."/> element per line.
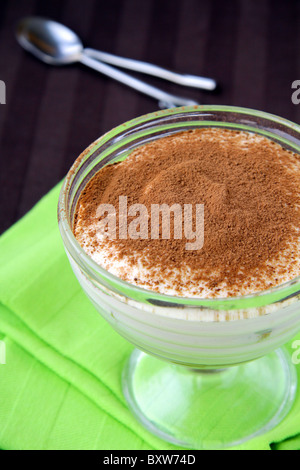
<point x="60" y="387"/>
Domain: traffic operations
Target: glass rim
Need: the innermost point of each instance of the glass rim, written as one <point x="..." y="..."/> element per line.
<point x="272" y="295"/>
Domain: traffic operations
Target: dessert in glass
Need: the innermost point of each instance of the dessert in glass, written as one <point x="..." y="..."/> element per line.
<point x="208" y="316"/>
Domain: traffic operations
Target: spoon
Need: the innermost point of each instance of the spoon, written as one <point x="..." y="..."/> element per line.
<point x="56" y="44"/>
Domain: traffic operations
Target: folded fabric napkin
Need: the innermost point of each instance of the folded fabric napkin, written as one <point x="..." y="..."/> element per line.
<point x="60" y="387"/>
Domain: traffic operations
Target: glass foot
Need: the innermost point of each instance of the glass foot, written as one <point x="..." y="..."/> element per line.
<point x="213" y="409"/>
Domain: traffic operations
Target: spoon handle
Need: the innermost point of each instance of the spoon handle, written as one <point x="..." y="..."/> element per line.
<point x="167" y="99"/>
<point x="151" y="69"/>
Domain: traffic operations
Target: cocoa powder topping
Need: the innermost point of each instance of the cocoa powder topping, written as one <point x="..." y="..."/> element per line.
<point x="249" y="187"/>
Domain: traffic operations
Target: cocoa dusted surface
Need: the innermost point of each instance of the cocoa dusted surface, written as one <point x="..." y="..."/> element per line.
<point x="51" y="114"/>
<point x="249" y="187"/>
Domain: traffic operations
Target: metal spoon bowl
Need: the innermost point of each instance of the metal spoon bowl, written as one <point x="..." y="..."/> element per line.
<point x="49" y="41"/>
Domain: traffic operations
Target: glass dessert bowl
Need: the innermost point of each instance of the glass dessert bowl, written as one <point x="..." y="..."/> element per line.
<point x="207" y="373"/>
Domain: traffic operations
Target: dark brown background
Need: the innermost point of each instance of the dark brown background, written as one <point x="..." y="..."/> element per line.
<point x="250" y="46"/>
